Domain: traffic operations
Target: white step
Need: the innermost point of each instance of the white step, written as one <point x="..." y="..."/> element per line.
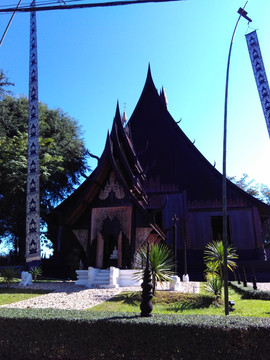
<point x="102" y="279"/>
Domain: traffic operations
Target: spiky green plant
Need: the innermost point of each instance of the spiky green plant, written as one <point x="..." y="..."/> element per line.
<point x="35" y="271"/>
<point x="161" y="263"/>
<point x="214" y="254"/>
<point x="9" y="274"/>
<point x="214" y="284"/>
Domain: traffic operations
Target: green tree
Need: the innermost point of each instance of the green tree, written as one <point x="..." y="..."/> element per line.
<point x="4" y="82"/>
<point x="161" y="263"/>
<point x="260" y="191"/>
<point x="63" y="162"/>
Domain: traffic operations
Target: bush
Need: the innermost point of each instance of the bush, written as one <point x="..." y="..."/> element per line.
<point x="9" y="274"/>
<point x="59" y="334"/>
<point x="161" y="263"/>
<point x="35" y="271"/>
<point x="214" y="284"/>
<point x="249" y="293"/>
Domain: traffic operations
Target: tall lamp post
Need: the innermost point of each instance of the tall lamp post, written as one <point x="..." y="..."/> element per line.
<point x="175" y="219"/>
<point x="241" y="13"/>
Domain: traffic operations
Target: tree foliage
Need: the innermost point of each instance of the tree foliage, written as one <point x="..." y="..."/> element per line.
<point x="4" y="82"/>
<point x="260" y="191"/>
<point x="62" y="158"/>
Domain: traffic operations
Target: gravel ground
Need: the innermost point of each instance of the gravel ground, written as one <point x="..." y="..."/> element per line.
<point x="67" y="295"/>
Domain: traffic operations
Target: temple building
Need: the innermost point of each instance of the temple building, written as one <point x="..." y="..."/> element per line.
<point x="152" y="184"/>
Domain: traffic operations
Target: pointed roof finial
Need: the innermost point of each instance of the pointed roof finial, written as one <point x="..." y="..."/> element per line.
<point x="117" y="111"/>
<point x="124" y="116"/>
<point x="149" y="75"/>
<point x="164" y="97"/>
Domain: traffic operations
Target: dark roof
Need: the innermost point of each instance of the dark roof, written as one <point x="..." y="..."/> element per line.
<point x="152" y="155"/>
<point x="171" y="160"/>
<point x="117" y="156"/>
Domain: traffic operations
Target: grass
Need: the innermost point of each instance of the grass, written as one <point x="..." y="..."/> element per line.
<point x="11" y="295"/>
<point x="15" y="280"/>
<point x="165" y="302"/>
<point x="187" y="304"/>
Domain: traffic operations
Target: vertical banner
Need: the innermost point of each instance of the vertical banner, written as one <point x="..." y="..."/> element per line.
<point x="32" y="248"/>
<point x="260" y="74"/>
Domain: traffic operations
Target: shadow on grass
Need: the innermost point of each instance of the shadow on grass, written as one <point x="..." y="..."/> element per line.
<point x="16" y="290"/>
<point x="126" y="317"/>
<point x="127" y="298"/>
<point x="173" y="301"/>
<point x="194" y="302"/>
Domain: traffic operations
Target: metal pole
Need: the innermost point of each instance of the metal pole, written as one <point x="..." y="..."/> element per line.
<point x="84" y="6"/>
<point x="8" y="25"/>
<point x="175" y="219"/>
<point x="185" y="257"/>
<point x="224" y="183"/>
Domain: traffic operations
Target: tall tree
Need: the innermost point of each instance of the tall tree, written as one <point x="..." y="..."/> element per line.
<point x="260" y="191"/>
<point x="4" y="82"/>
<point x="63" y="161"/>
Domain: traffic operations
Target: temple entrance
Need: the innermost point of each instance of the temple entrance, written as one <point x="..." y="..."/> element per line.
<point x="110" y="232"/>
<point x="110" y="243"/>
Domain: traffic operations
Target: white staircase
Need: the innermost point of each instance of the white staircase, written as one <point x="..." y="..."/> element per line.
<point x="106" y="278"/>
<point x="102" y="279"/>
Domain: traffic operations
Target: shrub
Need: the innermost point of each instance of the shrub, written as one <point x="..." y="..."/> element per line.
<point x="9" y="274"/>
<point x="57" y="334"/>
<point x="161" y="263"/>
<point x="214" y="253"/>
<point x="214" y="284"/>
<point x="214" y="261"/>
<point x="248" y="292"/>
<point x="35" y="271"/>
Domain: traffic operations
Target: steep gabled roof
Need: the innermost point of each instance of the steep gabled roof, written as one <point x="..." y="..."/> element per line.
<point x="128" y="163"/>
<point x="118" y="157"/>
<point x="171" y="158"/>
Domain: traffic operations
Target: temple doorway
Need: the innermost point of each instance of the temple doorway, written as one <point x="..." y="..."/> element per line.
<point x="110" y="232"/>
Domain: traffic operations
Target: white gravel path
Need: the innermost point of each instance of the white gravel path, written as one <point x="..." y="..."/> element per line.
<point x="67" y="295"/>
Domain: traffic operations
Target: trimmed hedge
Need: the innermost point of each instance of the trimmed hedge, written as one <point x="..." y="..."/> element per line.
<point x="249" y="293"/>
<point x="58" y="334"/>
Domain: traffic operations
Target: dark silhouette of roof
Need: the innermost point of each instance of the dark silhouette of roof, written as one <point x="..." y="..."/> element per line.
<point x="171" y="161"/>
<point x="152" y="155"/>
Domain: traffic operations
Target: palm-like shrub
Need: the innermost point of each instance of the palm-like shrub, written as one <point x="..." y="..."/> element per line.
<point x="214" y="261"/>
<point x="9" y="274"/>
<point x="161" y="263"/>
<point x="214" y="284"/>
<point x="214" y="254"/>
<point x="35" y="271"/>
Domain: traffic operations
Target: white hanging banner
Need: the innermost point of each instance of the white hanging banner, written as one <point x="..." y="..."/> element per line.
<point x="32" y="248"/>
<point x="260" y="74"/>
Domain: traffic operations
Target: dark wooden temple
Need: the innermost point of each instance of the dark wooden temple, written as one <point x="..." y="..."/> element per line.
<point x="152" y="184"/>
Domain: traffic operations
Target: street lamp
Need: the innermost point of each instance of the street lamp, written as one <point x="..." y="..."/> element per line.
<point x="241" y="13"/>
<point x="175" y="219"/>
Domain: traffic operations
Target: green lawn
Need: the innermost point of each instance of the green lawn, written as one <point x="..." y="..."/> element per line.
<point x="11" y="295"/>
<point x="165" y="302"/>
<point x="187" y="304"/>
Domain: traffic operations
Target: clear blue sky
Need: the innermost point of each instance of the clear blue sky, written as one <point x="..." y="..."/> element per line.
<point x="89" y="59"/>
